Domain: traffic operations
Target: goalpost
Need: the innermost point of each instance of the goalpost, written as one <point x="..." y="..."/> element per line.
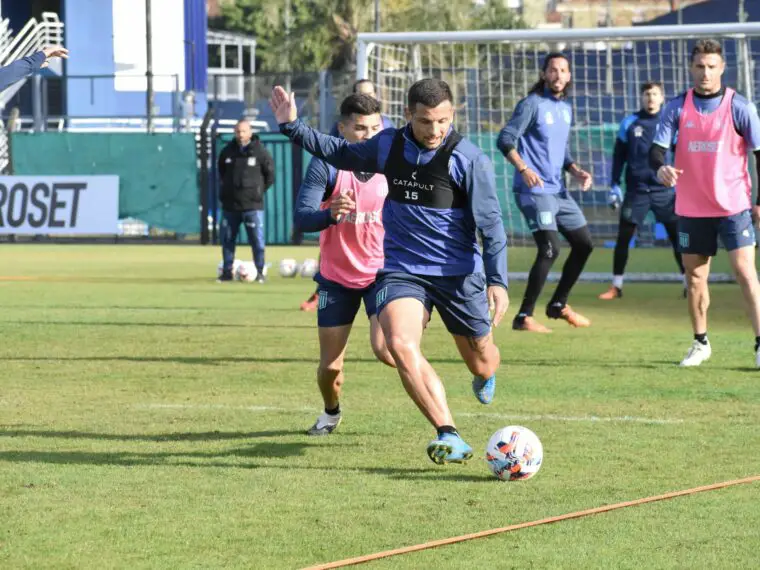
<point x="489" y="71"/>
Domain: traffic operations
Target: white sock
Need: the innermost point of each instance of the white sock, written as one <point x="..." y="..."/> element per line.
<point x="617" y="281"/>
<point x="685" y="283"/>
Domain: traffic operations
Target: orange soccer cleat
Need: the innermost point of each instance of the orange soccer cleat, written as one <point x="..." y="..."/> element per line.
<point x="310" y="304"/>
<point x="611" y="293"/>
<point x="566" y="313"/>
<point x="529" y="324"/>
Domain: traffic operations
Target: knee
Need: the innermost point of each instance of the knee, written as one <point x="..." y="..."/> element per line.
<point x="330" y="371"/>
<point x="549" y="250"/>
<point x="401" y="347"/>
<point x="584" y="246"/>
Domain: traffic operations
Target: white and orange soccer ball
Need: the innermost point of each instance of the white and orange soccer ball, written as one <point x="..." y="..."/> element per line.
<point x="246" y="272"/>
<point x="309" y="268"/>
<point x="514" y="453"/>
<point x="288" y="267"/>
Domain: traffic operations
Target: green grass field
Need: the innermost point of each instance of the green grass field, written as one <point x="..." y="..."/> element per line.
<point x="152" y="418"/>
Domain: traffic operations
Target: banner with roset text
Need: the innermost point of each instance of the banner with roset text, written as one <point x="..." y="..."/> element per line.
<point x="59" y="204"/>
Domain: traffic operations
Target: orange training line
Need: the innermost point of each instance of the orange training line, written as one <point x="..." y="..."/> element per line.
<point x="484" y="533"/>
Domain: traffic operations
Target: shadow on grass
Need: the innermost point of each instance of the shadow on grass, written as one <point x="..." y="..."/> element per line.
<point x="271" y="450"/>
<point x="160" y="325"/>
<point x="187" y="436"/>
<point x="217" y="360"/>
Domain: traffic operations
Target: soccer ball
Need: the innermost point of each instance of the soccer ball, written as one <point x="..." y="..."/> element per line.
<point x="288" y="268"/>
<point x="246" y="271"/>
<point x="513" y="453"/>
<point x="309" y="268"/>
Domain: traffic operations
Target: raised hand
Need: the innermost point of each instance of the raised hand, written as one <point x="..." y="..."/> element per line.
<point x="54" y="51"/>
<point x="283" y="105"/>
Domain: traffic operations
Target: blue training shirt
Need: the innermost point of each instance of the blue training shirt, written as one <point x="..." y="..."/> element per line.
<point x="444" y="239"/>
<point x="632" y="149"/>
<point x="19" y="69"/>
<point x="540" y="130"/>
<point x="320" y="177"/>
<point x="743" y="112"/>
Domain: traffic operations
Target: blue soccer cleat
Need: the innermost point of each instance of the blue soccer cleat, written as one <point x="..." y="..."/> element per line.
<point x="449" y="448"/>
<point x="484" y="389"/>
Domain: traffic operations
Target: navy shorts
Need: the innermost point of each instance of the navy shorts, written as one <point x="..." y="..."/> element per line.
<point x="636" y="206"/>
<point x="700" y="235"/>
<point x="338" y="305"/>
<point x="551" y="212"/>
<point x="461" y="300"/>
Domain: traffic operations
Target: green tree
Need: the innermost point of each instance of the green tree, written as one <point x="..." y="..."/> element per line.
<point x="322" y="33"/>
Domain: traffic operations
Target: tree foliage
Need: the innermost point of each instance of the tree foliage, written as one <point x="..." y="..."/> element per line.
<point x="322" y="33"/>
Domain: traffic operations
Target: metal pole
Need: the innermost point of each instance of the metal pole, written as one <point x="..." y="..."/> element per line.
<point x="149" y="66"/>
<point x="742" y="15"/>
<point x="287" y="45"/>
<point x="377" y="15"/>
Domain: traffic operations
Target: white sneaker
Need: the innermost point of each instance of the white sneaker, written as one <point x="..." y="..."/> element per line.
<point x="325" y="424"/>
<point x="757" y="358"/>
<point x="697" y="354"/>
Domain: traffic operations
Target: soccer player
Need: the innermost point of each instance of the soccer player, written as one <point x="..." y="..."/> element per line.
<point x="643" y="191"/>
<point x="346" y="207"/>
<point x="25" y="66"/>
<point x="361" y="87"/>
<point x="364" y="87"/>
<point x="715" y="129"/>
<point x="535" y="142"/>
<point x="442" y="192"/>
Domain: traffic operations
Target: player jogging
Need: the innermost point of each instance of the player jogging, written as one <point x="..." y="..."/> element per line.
<point x="346" y="207"/>
<point x="442" y="190"/>
<point x="715" y="129"/>
<point x="535" y="142"/>
<point x="643" y="192"/>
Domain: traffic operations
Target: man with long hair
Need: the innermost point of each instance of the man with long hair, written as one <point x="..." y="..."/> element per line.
<point x="535" y="142"/>
<point x="716" y="129"/>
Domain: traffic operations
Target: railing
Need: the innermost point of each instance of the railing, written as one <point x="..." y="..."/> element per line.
<point x="31" y="38"/>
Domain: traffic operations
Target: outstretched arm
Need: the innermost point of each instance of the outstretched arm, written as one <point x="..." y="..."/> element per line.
<point x="359" y="157"/>
<point x="25" y="66"/>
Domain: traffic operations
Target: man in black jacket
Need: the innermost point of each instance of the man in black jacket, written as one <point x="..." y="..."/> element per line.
<point x="247" y="172"/>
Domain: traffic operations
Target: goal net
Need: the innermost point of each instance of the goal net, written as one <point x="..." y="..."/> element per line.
<point x="490" y="71"/>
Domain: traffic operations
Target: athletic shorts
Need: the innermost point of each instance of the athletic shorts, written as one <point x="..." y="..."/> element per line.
<point x="460" y="300"/>
<point x="700" y="235"/>
<point x="636" y="206"/>
<point x="338" y="305"/>
<point x="551" y="212"/>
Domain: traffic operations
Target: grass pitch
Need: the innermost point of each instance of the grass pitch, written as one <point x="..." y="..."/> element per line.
<point x="152" y="418"/>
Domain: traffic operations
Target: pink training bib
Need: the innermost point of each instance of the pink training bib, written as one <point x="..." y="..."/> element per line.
<point x="352" y="250"/>
<point x="713" y="156"/>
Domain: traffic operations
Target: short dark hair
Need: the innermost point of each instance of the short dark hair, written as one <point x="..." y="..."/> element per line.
<point x="358" y="104"/>
<point x="652" y="85"/>
<point x="540" y="85"/>
<point x="430" y="92"/>
<point x="706" y="47"/>
<point x="355" y="86"/>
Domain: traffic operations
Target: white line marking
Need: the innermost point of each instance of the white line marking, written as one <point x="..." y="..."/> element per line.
<point x="592" y="419"/>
